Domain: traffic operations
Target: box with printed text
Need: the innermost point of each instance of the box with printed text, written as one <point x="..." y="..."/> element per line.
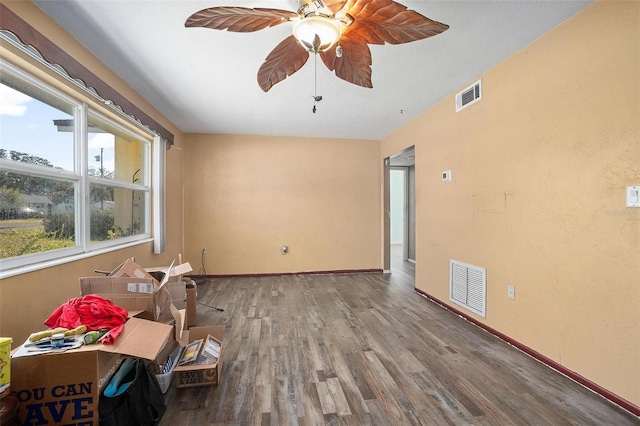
<point x="208" y="374"/>
<point x="64" y="388"/>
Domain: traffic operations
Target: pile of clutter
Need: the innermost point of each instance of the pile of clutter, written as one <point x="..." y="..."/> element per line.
<point x="126" y="319"/>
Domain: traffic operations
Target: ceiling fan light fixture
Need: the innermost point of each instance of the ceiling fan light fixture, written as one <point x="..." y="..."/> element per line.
<point x="349" y="25"/>
<point x="317" y="33"/>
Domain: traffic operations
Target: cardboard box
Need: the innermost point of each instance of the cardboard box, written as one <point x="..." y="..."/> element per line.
<point x="191" y="304"/>
<point x="129" y="268"/>
<point x="176" y="272"/>
<point x="177" y="293"/>
<point x="187" y="376"/>
<point x="135" y="288"/>
<point x="149" y="299"/>
<point x="133" y="294"/>
<point x="64" y="388"/>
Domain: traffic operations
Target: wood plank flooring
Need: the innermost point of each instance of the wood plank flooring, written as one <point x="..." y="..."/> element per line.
<point x="366" y="349"/>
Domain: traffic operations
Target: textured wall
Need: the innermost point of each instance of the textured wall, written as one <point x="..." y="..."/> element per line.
<point x="539" y="168"/>
<point x="246" y="196"/>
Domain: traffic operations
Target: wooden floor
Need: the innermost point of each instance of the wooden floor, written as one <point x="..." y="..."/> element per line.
<point x="365" y="349"/>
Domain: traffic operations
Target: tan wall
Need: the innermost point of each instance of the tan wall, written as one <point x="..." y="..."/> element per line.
<point x="537" y="197"/>
<point x="245" y="196"/>
<point x="28" y="299"/>
<point x="539" y="169"/>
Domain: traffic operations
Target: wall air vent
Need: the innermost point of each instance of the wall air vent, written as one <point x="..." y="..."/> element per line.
<point x="469" y="96"/>
<point x="468" y="286"/>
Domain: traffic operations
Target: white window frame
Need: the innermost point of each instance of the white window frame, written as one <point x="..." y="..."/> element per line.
<point x="145" y="186"/>
<point x="152" y="186"/>
<point x="158" y="186"/>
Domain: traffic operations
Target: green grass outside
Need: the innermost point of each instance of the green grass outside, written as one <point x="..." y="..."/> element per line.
<point x="18" y="241"/>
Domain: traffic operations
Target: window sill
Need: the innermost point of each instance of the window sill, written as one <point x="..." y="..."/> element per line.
<point x="68" y="259"/>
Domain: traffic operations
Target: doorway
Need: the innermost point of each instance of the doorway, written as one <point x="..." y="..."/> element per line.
<point x="400" y="218"/>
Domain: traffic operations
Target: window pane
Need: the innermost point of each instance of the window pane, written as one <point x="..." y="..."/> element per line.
<point x="115" y="154"/>
<point x="35" y="127"/>
<point x="36" y="214"/>
<point x="39" y="202"/>
<point x="117" y="212"/>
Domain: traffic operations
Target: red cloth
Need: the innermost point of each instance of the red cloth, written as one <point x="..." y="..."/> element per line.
<point x="95" y="312"/>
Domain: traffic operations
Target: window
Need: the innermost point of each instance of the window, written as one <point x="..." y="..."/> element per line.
<point x="72" y="180"/>
<point x="119" y="186"/>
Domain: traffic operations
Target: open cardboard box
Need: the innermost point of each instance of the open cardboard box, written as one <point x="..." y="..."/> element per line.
<point x="191" y="302"/>
<point x="132" y="287"/>
<point x="175" y="273"/>
<point x="171" y="273"/>
<point x="183" y="294"/>
<point x="182" y="291"/>
<point x="186" y="376"/>
<point x="129" y="268"/>
<point x="64" y="388"/>
<point x="133" y="294"/>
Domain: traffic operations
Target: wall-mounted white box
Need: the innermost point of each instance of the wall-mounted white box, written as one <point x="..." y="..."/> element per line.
<point x="633" y="196"/>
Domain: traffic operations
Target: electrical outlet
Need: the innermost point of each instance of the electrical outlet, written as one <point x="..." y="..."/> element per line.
<point x="511" y="291"/>
<point x="204" y="250"/>
<point x="284" y="250"/>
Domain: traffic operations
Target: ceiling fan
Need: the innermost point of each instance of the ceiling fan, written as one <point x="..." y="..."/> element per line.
<point x="338" y="30"/>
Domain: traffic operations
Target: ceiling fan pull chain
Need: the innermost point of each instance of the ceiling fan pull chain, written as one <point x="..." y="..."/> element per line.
<point x="315" y="96"/>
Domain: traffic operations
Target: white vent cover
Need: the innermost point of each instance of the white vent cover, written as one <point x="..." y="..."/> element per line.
<point x="468" y="96"/>
<point x="468" y="286"/>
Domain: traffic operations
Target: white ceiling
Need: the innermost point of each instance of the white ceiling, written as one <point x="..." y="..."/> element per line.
<point x="204" y="80"/>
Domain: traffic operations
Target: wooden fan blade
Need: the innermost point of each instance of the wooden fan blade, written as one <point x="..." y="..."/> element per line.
<point x="288" y="57"/>
<point x="239" y="19"/>
<point x="334" y="6"/>
<point x="355" y="64"/>
<point x="385" y="21"/>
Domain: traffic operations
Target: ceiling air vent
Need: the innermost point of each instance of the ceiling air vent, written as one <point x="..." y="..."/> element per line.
<point x="468" y="96"/>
